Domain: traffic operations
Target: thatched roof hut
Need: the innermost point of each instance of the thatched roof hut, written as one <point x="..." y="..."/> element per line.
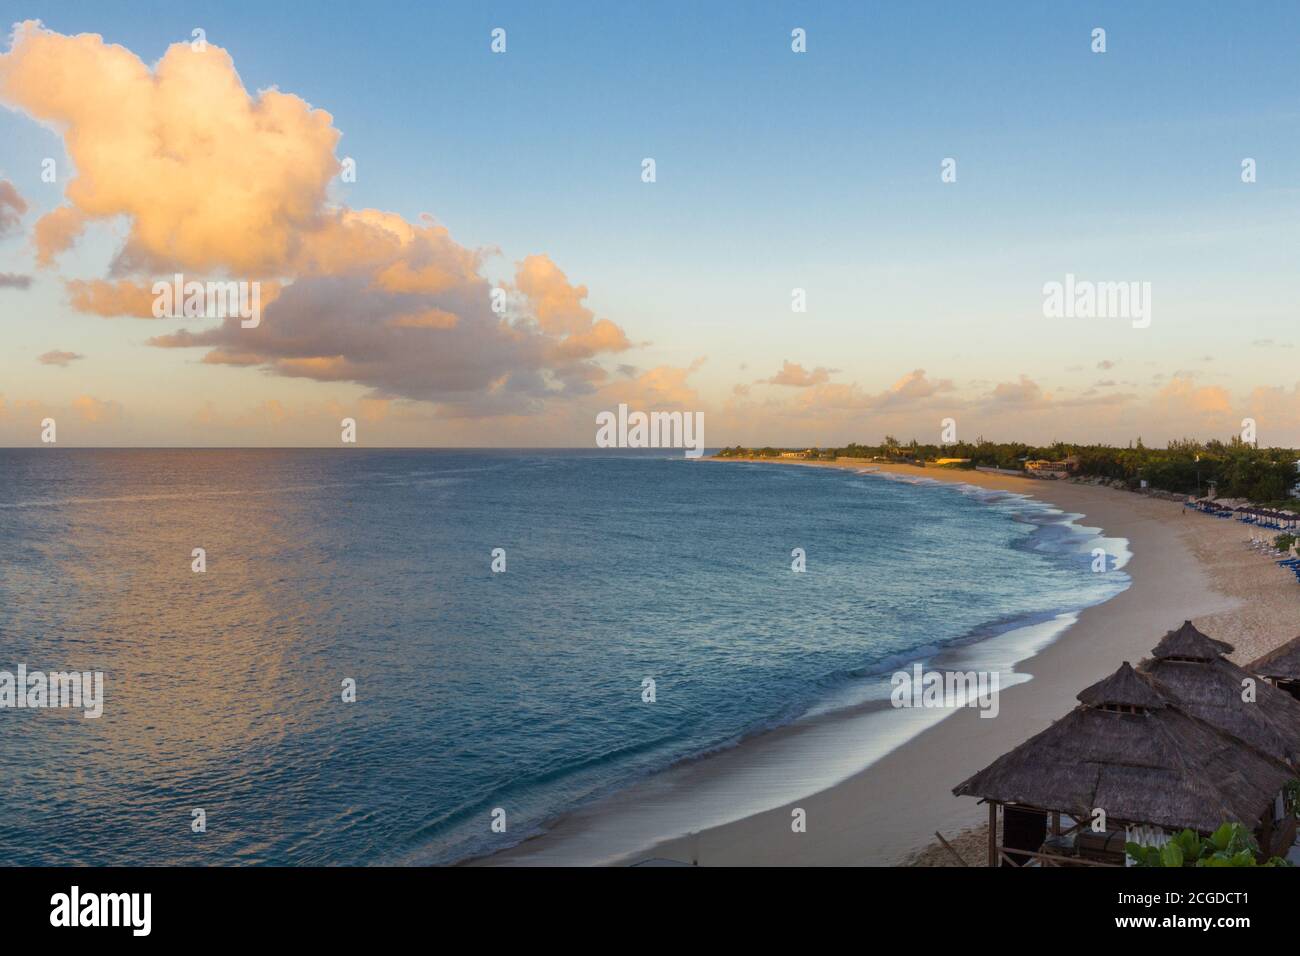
<point x="1124" y="688"/>
<point x="1279" y="664"/>
<point x="1190" y="668"/>
<point x="1129" y="750"/>
<point x="1188" y="643"/>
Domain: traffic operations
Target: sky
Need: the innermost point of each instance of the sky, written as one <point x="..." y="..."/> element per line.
<point x="498" y="270"/>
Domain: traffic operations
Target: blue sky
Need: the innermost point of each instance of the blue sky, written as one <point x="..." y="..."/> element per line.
<point x="776" y="171"/>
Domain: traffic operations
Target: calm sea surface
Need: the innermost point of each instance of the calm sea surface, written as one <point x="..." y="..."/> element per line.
<point x="475" y="690"/>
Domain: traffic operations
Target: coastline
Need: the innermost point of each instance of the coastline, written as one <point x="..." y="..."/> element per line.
<point x="1182" y="567"/>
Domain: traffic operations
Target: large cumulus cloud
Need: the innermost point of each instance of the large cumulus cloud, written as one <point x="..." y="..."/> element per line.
<point x="214" y="182"/>
<point x="343" y="328"/>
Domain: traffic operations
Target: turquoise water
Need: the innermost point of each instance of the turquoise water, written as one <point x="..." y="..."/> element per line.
<point x="475" y="690"/>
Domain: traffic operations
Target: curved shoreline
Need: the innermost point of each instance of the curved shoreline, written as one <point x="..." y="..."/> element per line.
<point x="897" y="774"/>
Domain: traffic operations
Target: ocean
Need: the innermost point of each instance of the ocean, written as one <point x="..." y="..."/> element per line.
<point x="480" y="695"/>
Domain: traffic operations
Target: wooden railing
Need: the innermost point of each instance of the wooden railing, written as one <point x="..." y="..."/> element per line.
<point x="1049" y="859"/>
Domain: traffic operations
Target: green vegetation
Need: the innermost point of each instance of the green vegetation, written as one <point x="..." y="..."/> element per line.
<point x="1235" y="468"/>
<point x="1291" y="797"/>
<point x="1230" y="845"/>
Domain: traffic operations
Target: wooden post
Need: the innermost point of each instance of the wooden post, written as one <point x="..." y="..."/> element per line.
<point x="1056" y="823"/>
<point x="993" y="833"/>
<point x="948" y="846"/>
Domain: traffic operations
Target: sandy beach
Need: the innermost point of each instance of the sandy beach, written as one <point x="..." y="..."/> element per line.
<point x="1183" y="566"/>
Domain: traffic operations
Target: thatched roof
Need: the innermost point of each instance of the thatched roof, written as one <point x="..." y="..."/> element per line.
<point x="1124" y="688"/>
<point x="1211" y="688"/>
<point x="1188" y="642"/>
<point x="1282" y="663"/>
<point x="1156" y="766"/>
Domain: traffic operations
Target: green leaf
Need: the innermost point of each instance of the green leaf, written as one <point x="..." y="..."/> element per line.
<point x="1190" y="843"/>
<point x="1171" y="854"/>
<point x="1222" y="837"/>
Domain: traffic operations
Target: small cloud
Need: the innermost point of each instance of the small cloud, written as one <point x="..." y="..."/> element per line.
<point x="796" y="376"/>
<point x="1025" y="392"/>
<point x="1271" y="344"/>
<point x="12" y="208"/>
<point x="102" y="297"/>
<point x="1106" y="364"/>
<point x="1182" y="394"/>
<point x="96" y="412"/>
<point x="269" y="412"/>
<point x="58" y="358"/>
<point x="11" y="280"/>
<point x="913" y="390"/>
<point x="206" y="415"/>
<point x="662" y="388"/>
<point x="914" y="387"/>
<point x="56" y="231"/>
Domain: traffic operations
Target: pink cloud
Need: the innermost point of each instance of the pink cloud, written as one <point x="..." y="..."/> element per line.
<point x="796" y="376"/>
<point x="368" y="297"/>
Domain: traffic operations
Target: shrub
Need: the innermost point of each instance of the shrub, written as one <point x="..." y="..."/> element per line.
<point x="1230" y="845"/>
